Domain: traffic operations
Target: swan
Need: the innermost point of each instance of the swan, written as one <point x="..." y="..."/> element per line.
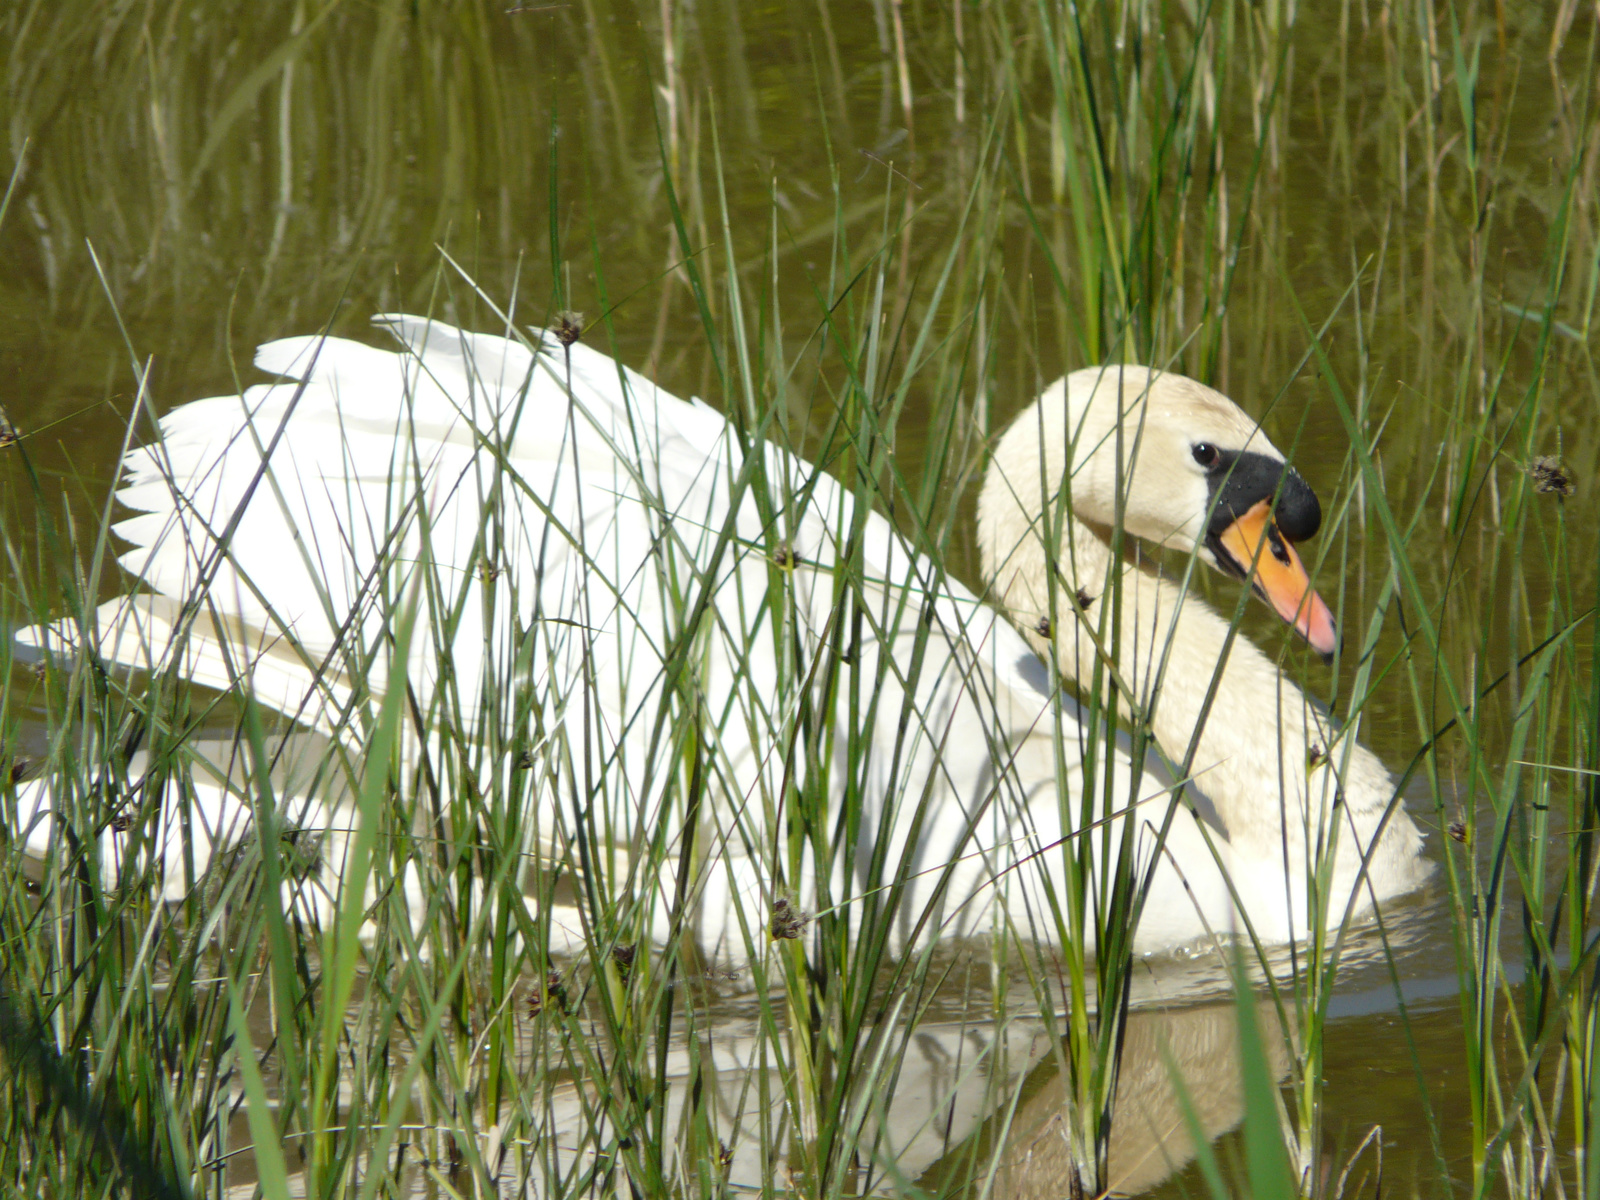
<point x="642" y="636"/>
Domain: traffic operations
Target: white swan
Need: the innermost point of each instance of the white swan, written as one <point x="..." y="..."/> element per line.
<point x="622" y="610"/>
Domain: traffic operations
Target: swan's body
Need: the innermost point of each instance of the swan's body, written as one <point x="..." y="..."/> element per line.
<point x="600" y="573"/>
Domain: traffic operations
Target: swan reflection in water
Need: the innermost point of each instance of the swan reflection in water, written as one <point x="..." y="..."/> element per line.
<point x="973" y="1097"/>
<point x="954" y="1080"/>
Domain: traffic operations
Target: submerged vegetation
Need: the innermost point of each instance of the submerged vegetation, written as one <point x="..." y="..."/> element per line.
<point x="871" y="235"/>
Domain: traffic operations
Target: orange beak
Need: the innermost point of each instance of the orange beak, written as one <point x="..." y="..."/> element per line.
<point x="1268" y="559"/>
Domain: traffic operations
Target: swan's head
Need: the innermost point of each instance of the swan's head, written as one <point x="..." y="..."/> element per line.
<point x="1195" y="473"/>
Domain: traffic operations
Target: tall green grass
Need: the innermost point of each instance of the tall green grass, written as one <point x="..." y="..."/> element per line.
<point x="871" y="242"/>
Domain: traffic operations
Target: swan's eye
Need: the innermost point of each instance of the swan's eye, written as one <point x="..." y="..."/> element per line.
<point x="1206" y="454"/>
<point x="1279" y="550"/>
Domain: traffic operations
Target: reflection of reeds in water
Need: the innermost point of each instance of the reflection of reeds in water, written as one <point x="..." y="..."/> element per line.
<point x="767" y="232"/>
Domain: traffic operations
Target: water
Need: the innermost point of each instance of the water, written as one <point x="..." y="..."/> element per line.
<point x="226" y="204"/>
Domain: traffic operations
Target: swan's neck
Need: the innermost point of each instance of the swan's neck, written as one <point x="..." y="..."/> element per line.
<point x="1268" y="762"/>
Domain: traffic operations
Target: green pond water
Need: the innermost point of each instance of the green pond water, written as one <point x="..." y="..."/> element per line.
<point x="196" y="178"/>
